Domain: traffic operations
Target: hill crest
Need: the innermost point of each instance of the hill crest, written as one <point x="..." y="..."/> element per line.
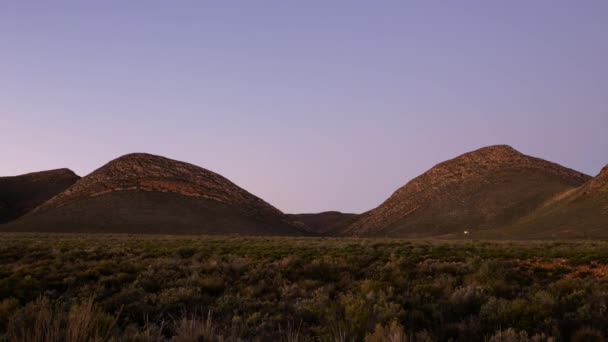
<point x="141" y="193"/>
<point x="600" y="182"/>
<point x="148" y="172"/>
<point x="482" y="184"/>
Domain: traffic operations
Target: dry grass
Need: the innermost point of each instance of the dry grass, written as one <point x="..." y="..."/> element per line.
<point x="195" y="329"/>
<point x="335" y="289"/>
<point x="42" y="321"/>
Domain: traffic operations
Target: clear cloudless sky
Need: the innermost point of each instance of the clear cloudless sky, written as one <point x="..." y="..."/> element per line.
<point x="311" y="105"/>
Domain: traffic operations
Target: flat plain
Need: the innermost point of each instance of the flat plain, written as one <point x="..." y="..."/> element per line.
<point x="71" y="287"/>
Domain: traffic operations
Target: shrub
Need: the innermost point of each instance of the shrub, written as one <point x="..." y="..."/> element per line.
<point x="213" y="285"/>
<point x="393" y="333"/>
<point x="37" y="321"/>
<point x="7" y="308"/>
<point x="45" y="321"/>
<point x="588" y="334"/>
<point x="291" y="333"/>
<point x="517" y="313"/>
<point x="340" y="289"/>
<point x="192" y="328"/>
<point x="466" y="301"/>
<point x="185" y="252"/>
<point x="509" y="335"/>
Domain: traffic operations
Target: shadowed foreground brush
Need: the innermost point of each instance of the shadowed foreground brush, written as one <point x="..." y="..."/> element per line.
<point x="291" y="333"/>
<point x="395" y="333"/>
<point x="195" y="329"/>
<point x="161" y="288"/>
<point x="44" y="321"/>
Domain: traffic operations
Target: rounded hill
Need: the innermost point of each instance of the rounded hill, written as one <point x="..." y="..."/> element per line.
<point x="483" y="189"/>
<point x="144" y="193"/>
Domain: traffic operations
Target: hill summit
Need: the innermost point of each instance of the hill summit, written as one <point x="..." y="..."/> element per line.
<point x="483" y="189"/>
<point x="141" y="192"/>
<point x="147" y="172"/>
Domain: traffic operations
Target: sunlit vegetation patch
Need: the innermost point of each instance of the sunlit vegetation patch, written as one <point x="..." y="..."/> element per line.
<point x="152" y="288"/>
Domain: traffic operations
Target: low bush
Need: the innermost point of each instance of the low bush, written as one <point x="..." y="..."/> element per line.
<point x="147" y="288"/>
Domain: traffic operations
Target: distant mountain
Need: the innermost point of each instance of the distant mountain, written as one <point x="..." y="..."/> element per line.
<point x="21" y="194"/>
<point x="578" y="213"/>
<point x="488" y="188"/>
<point x="143" y="193"/>
<point x="326" y="223"/>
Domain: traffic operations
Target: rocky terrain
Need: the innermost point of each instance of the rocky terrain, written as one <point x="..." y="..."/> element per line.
<point x="484" y="189"/>
<point x="21" y="194"/>
<point x="326" y="223"/>
<point x="147" y="193"/>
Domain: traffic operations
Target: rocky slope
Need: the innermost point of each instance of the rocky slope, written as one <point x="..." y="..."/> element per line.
<point x="325" y="223"/>
<point x="580" y="213"/>
<point x="141" y="193"/>
<point x="21" y="194"/>
<point x="484" y="189"/>
<point x="600" y="182"/>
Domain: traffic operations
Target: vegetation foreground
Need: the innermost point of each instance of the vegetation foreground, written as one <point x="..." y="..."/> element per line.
<point x="159" y="288"/>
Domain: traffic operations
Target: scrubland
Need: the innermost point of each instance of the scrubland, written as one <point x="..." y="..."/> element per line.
<point x="164" y="288"/>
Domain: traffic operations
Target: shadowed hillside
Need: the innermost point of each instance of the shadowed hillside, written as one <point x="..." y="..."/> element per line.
<point x="579" y="213"/>
<point x="20" y="194"/>
<point x="143" y="193"/>
<point x="484" y="189"/>
<point x="328" y="222"/>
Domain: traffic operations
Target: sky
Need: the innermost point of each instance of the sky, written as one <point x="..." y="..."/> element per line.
<point x="311" y="105"/>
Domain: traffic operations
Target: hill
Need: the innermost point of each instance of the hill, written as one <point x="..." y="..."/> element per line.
<point x="21" y="194"/>
<point x="326" y="223"/>
<point x="143" y="193"/>
<point x="576" y="214"/>
<point x="487" y="188"/>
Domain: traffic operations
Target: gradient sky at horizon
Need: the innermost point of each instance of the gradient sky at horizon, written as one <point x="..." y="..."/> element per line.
<point x="311" y="105"/>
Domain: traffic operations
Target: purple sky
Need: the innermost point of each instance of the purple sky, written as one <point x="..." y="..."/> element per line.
<point x="314" y="105"/>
